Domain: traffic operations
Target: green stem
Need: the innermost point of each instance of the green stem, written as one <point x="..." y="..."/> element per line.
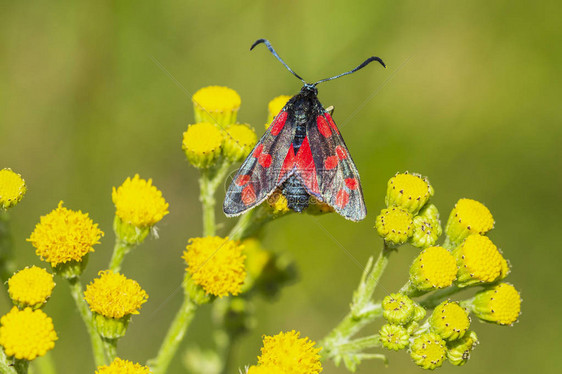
<point x="6" y="364"/>
<point x="438" y="297"/>
<point x="174" y="336"/>
<point x="45" y="364"/>
<point x="7" y="266"/>
<point x="207" y="199"/>
<point x="224" y="343"/>
<point x="361" y="344"/>
<point x="120" y="249"/>
<point x="242" y="225"/>
<point x="21" y="366"/>
<point x="95" y="339"/>
<point x="110" y="346"/>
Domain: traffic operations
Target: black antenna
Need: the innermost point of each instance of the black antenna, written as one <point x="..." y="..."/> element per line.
<point x="365" y="63"/>
<point x="268" y="45"/>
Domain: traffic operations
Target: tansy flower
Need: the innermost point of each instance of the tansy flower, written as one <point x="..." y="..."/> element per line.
<point x="278" y="203"/>
<point x="239" y="140"/>
<point x="479" y="261"/>
<point x="428" y="351"/>
<point x="434" y="268"/>
<point x="394" y="337"/>
<point x="458" y="351"/>
<point x="408" y="191"/>
<point x="119" y="366"/>
<point x="12" y="188"/>
<point x="31" y="287"/>
<point x="468" y="217"/>
<point x="398" y="309"/>
<point x="500" y="304"/>
<point x="139" y="203"/>
<point x="216" y="264"/>
<point x="394" y="225"/>
<point x="26" y="334"/>
<point x="291" y="354"/>
<point x="64" y="235"/>
<point x="274" y="107"/>
<point x="216" y="104"/>
<point x="202" y="144"/>
<point x="427" y="227"/>
<point x="449" y="320"/>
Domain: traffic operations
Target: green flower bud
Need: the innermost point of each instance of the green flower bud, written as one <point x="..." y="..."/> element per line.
<point x="394" y="337"/>
<point x="111" y="328"/>
<point x="428" y="351"/>
<point x="458" y="351"/>
<point x="398" y="309"/>
<point x="427" y="227"/>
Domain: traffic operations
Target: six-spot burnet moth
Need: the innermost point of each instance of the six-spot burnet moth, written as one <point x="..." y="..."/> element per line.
<point x="301" y="155"/>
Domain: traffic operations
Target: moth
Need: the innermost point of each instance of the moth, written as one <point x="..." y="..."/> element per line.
<point x="303" y="156"/>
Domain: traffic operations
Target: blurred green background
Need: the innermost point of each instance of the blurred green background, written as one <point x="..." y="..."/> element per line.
<point x="471" y="99"/>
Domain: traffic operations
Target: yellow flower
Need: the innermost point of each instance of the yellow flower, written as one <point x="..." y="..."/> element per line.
<point x="468" y="217"/>
<point x="139" y="203"/>
<point x="449" y="320"/>
<point x="434" y="268"/>
<point x="428" y="351"/>
<point x="31" y="287"/>
<point x="12" y="188"/>
<point x="64" y="235"/>
<point x="290" y="353"/>
<point x="278" y="203"/>
<point x="394" y="337"/>
<point x="27" y="334"/>
<point x="395" y="225"/>
<point x="119" y="366"/>
<point x="202" y="144"/>
<point x="479" y="261"/>
<point x="216" y="104"/>
<point x="408" y="191"/>
<point x="114" y="296"/>
<point x="500" y="304"/>
<point x="275" y="106"/>
<point x="216" y="264"/>
<point x="238" y="142"/>
<point x="264" y="370"/>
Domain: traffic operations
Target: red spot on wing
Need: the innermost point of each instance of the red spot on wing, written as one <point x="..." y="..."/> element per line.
<point x="342" y="198"/>
<point x="288" y="163"/>
<point x="351" y="183"/>
<point x="341" y="152"/>
<point x="265" y="160"/>
<point x="331" y="162"/>
<point x="242" y="180"/>
<point x="306" y="167"/>
<point x="278" y="123"/>
<point x="323" y="126"/>
<point x="248" y="195"/>
<point x="257" y="151"/>
<point x="332" y="123"/>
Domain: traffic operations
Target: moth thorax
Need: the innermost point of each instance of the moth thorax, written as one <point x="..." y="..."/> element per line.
<point x="295" y="193"/>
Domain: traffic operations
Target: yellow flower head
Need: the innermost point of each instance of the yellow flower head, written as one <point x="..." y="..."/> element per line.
<point x="394" y="337"/>
<point x="12" y="188"/>
<point x="427" y="227"/>
<point x="479" y="261"/>
<point x="274" y="107"/>
<point x="119" y="366"/>
<point x="202" y="144"/>
<point x="428" y="351"/>
<point x="27" y="334"/>
<point x="64" y="235"/>
<point x="468" y="217"/>
<point x="291" y="354"/>
<point x="500" y="304"/>
<point x="434" y="268"/>
<point x="238" y="142"/>
<point x="216" y="264"/>
<point x="31" y="287"/>
<point x="278" y="203"/>
<point x="264" y="370"/>
<point x="449" y="320"/>
<point x="408" y="191"/>
<point x="114" y="296"/>
<point x="216" y="104"/>
<point x="458" y="351"/>
<point x="398" y="309"/>
<point x="139" y="203"/>
<point x="395" y="225"/>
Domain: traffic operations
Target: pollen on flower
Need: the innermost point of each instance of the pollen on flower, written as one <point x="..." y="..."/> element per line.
<point x="64" y="235"/>
<point x="468" y="217"/>
<point x="120" y="366"/>
<point x="479" y="261"/>
<point x="31" y="286"/>
<point x="216" y="264"/>
<point x="434" y="268"/>
<point x="291" y="354"/>
<point x="278" y="203"/>
<point x="500" y="304"/>
<point x="202" y="144"/>
<point x="449" y="320"/>
<point x="239" y="141"/>
<point x="428" y="351"/>
<point x="216" y="104"/>
<point x="139" y="203"/>
<point x="12" y="188"/>
<point x="27" y="334"/>
<point x="275" y="106"/>
<point x="114" y="296"/>
<point x="408" y="191"/>
<point x="394" y="225"/>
